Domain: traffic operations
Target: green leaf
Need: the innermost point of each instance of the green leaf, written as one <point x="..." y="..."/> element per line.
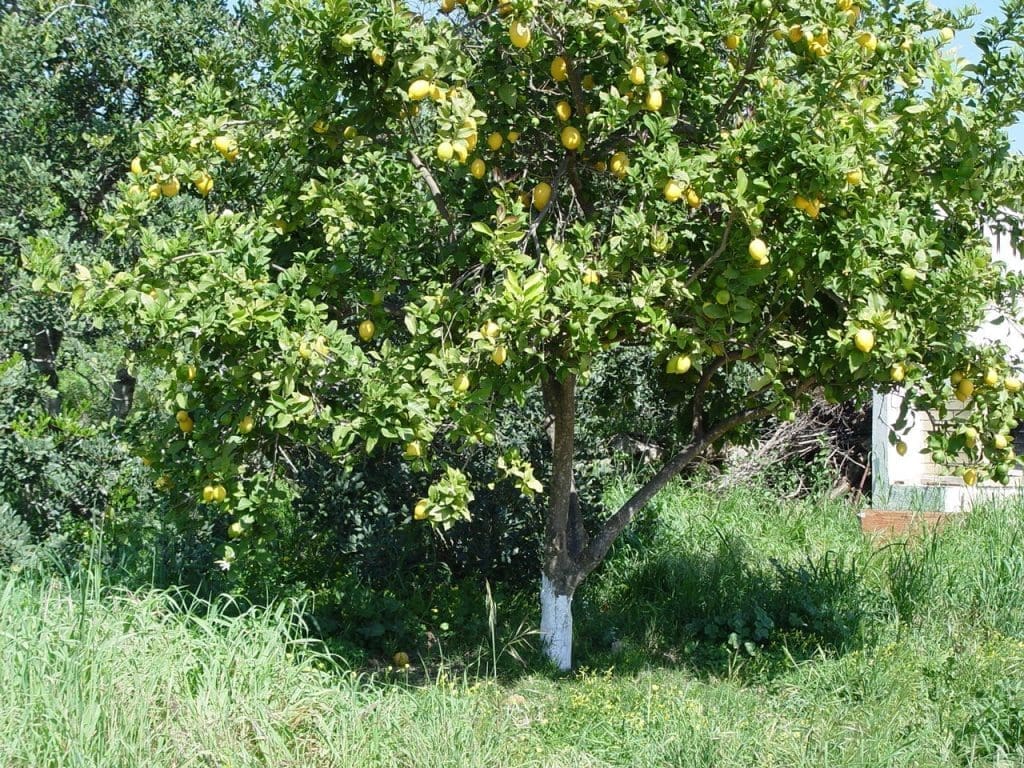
<point x="741" y="183"/>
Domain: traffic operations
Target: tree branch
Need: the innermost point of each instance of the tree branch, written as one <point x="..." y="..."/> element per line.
<point x="718" y="251"/>
<point x="556" y="182"/>
<point x="613" y="526"/>
<point x="756" y="49"/>
<point x="435" y="192"/>
<point x="702" y="387"/>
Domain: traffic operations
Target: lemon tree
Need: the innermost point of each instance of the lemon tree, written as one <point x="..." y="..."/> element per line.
<point x="415" y="219"/>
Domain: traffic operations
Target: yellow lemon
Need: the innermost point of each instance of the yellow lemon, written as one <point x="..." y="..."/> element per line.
<point x="477" y="168"/>
<point x="367" y="329"/>
<point x="419" y="90"/>
<point x="672" y="191"/>
<point x="245" y="426"/>
<point x="204" y="183"/>
<point x="563" y="111"/>
<point x="864" y="340"/>
<point x="419" y="512"/>
<point x="654" y="100"/>
<point x="732" y="42"/>
<point x="678" y="364"/>
<point x="445" y="151"/>
<point x="867" y="41"/>
<point x="227" y="146"/>
<point x="461" y="383"/>
<point x="692" y="198"/>
<point x="499" y="355"/>
<point x="494" y="141"/>
<point x="559" y="69"/>
<point x="637" y="75"/>
<point x="854" y="177"/>
<point x="571" y="138"/>
<point x="619" y="164"/>
<point x="519" y="33"/>
<point x="461" y="150"/>
<point x="541" y="195"/>
<point x="758" y="250"/>
<point x="170" y="187"/>
<point x="964" y="390"/>
<point x="136" y="165"/>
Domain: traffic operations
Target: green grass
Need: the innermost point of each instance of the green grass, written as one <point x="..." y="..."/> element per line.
<point x="746" y="630"/>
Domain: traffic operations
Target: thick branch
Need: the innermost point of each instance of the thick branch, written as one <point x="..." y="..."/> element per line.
<point x="435" y="192"/>
<point x="613" y="526"/>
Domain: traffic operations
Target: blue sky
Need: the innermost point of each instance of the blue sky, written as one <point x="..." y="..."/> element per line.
<point x="964" y="44"/>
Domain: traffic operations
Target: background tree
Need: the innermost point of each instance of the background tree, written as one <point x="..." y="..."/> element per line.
<point x="404" y="224"/>
<point x="77" y="80"/>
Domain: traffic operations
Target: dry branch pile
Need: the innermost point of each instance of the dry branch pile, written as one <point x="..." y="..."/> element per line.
<point x="833" y="437"/>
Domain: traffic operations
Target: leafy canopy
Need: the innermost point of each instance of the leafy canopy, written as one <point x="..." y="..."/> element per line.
<point x="398" y="223"/>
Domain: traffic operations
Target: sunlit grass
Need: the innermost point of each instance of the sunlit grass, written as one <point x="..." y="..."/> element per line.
<point x="933" y="675"/>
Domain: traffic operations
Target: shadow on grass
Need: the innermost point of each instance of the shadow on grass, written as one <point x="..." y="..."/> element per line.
<point x="712" y="610"/>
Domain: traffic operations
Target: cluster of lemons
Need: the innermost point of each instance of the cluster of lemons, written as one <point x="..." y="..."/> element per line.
<point x="166" y="184"/>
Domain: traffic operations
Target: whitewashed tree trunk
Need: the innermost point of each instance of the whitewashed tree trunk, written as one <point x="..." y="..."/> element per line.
<point x="556" y="624"/>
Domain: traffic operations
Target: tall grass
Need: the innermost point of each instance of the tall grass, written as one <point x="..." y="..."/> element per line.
<point x="917" y="659"/>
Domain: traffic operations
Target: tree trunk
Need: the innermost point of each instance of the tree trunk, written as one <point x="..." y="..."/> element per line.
<point x="564" y="536"/>
<point x="556" y="624"/>
<point x="43" y="357"/>
<point x="122" y="394"/>
<point x="570" y="554"/>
